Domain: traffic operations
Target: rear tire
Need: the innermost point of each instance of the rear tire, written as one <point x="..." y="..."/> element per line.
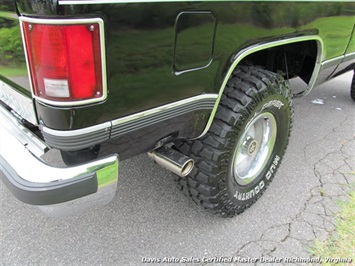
<point x="238" y="158"/>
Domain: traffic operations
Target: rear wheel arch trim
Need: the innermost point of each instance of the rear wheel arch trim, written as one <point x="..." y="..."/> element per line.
<point x="242" y="54"/>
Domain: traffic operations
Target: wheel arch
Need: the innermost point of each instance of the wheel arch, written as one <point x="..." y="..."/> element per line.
<point x="256" y="51"/>
<point x="297" y="59"/>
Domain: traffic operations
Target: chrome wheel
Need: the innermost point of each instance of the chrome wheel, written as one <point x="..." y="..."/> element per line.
<point x="254" y="148"/>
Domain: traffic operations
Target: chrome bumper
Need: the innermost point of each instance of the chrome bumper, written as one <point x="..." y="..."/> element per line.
<point x="59" y="191"/>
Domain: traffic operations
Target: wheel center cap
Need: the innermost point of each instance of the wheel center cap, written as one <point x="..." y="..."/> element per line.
<point x="252" y="147"/>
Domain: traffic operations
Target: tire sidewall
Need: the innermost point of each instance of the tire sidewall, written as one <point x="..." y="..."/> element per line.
<point x="279" y="106"/>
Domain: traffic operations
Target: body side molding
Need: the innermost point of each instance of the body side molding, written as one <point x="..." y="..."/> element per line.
<point x="82" y="138"/>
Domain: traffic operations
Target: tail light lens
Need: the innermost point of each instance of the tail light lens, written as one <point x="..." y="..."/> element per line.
<point x="66" y="60"/>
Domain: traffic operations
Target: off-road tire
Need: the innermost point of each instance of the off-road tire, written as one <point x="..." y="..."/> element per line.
<point x="352" y="88"/>
<point x="249" y="94"/>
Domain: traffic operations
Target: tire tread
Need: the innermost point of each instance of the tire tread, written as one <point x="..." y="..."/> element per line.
<point x="206" y="184"/>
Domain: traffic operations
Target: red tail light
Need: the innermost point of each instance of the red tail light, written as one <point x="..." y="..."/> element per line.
<point x="66" y="60"/>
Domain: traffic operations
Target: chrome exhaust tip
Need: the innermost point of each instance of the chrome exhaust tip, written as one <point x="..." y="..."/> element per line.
<point x="172" y="160"/>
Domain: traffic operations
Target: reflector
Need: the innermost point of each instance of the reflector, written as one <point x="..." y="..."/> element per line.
<point x="65" y="61"/>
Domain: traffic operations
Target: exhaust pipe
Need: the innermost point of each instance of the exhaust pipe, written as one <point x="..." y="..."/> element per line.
<point x="172" y="160"/>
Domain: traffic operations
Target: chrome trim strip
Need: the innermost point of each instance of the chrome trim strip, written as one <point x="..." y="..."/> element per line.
<point x="348" y="57"/>
<point x="160" y="114"/>
<point x="259" y="47"/>
<point x="180" y="72"/>
<point x="18" y="102"/>
<point x="166" y="107"/>
<point x="80" y="2"/>
<point x="77" y="139"/>
<point x="103" y="57"/>
<point x="332" y="62"/>
<point x="104" y="127"/>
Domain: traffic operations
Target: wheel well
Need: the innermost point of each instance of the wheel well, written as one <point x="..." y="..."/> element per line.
<point x="291" y="60"/>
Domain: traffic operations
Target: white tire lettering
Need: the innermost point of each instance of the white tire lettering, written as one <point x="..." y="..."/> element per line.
<point x="276" y="103"/>
<point x="272" y="167"/>
<point x="261" y="185"/>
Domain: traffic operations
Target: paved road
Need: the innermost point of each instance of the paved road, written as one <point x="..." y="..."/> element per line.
<point x="150" y="219"/>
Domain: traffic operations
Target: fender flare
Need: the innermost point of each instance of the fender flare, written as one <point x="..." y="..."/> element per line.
<point x="239" y="56"/>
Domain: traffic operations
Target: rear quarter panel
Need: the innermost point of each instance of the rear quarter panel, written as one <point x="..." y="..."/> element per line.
<point x="141" y="44"/>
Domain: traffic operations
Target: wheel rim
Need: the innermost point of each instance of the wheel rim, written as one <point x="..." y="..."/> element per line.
<point x="254" y="148"/>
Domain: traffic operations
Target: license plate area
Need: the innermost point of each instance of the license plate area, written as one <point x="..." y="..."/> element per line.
<point x="18" y="102"/>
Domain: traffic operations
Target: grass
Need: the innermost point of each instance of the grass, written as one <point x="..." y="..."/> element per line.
<point x="8" y="15"/>
<point x="341" y="245"/>
<point x="13" y="72"/>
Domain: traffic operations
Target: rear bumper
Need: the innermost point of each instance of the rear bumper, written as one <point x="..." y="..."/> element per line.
<point x="62" y="190"/>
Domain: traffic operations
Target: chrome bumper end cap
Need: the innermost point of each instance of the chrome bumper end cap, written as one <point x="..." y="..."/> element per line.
<point x="59" y="191"/>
